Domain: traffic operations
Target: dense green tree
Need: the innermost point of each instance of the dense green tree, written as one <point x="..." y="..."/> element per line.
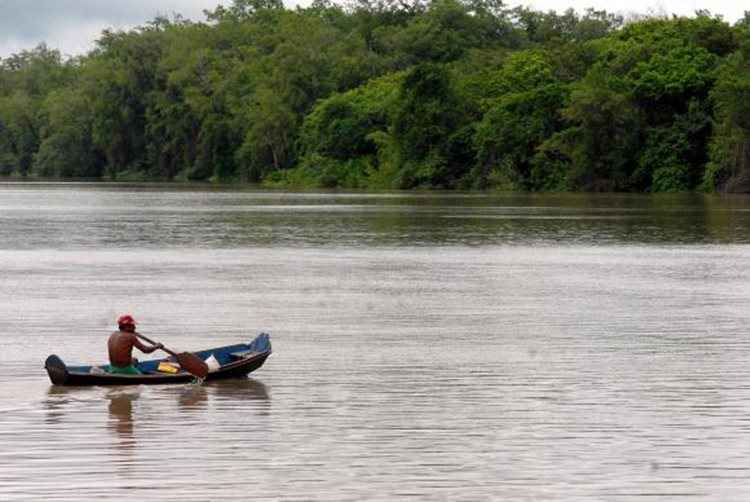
<point x="553" y="28"/>
<point x="19" y="132"/>
<point x="26" y="79"/>
<point x="339" y="138"/>
<point x="427" y="128"/>
<point x="729" y="167"/>
<point x="119" y="79"/>
<point x="639" y="119"/>
<point x="67" y="150"/>
<point x="522" y="111"/>
<point x="339" y="126"/>
<point x="604" y="136"/>
<point x="391" y="93"/>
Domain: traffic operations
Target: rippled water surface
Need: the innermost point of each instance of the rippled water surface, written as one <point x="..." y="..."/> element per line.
<point x="426" y="346"/>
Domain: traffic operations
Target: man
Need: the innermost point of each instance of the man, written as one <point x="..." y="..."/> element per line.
<point x="121" y="345"/>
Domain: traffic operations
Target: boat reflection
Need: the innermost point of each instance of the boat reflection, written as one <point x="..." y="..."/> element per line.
<point x="195" y="397"/>
<point x="125" y="404"/>
<point x="57" y="400"/>
<point x="238" y="389"/>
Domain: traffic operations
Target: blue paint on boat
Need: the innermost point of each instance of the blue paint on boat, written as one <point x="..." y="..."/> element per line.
<point x="234" y="360"/>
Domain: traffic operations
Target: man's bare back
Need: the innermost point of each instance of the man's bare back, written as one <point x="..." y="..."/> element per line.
<point x="121" y="345"/>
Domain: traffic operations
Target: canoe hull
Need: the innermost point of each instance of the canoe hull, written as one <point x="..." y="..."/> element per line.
<point x="233" y="366"/>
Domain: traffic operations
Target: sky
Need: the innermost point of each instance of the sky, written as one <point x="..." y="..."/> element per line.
<point x="72" y="25"/>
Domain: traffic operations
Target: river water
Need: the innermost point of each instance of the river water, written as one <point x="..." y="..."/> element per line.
<point x="426" y="346"/>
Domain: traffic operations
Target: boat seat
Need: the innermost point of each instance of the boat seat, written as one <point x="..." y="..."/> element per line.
<point x="242" y="354"/>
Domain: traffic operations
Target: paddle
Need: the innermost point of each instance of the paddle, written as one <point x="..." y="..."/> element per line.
<point x="189" y="362"/>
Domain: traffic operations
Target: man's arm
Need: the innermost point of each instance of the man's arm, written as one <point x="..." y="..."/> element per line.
<point x="146" y="349"/>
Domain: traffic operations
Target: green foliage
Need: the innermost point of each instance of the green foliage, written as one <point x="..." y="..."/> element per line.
<point x="426" y="126"/>
<point x="391" y="94"/>
<point x="442" y="34"/>
<point x="19" y="132"/>
<point x="243" y="10"/>
<point x="674" y="156"/>
<point x="339" y="126"/>
<point x="680" y="72"/>
<point x="324" y="172"/>
<point x="119" y="80"/>
<point x="604" y="137"/>
<point x="522" y="112"/>
<point x="67" y="150"/>
<point x="551" y="27"/>
<point x="268" y="141"/>
<point x="639" y="119"/>
<point x="729" y="166"/>
<point x="25" y="80"/>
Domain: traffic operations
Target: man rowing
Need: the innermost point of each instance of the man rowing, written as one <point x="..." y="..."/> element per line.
<point x="121" y="345"/>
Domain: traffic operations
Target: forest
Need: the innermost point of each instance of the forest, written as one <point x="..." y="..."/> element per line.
<point x="390" y="94"/>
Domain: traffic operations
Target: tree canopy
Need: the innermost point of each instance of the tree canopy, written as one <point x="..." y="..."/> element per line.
<point x="391" y="94"/>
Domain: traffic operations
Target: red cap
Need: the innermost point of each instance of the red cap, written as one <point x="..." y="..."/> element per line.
<point x="125" y="320"/>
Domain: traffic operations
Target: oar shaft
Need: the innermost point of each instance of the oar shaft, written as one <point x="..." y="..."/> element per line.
<point x="148" y="340"/>
<point x="189" y="362"/>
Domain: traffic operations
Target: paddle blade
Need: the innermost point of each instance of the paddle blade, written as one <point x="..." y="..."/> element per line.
<point x="193" y="364"/>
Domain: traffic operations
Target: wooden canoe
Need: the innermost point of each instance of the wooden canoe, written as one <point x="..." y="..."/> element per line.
<point x="234" y="360"/>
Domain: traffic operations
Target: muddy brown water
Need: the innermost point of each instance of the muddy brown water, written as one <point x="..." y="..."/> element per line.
<point x="426" y="346"/>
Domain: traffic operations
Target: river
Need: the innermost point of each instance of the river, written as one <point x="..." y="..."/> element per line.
<point x="427" y="346"/>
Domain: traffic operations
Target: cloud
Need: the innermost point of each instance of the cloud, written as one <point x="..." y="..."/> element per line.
<point x="731" y="10"/>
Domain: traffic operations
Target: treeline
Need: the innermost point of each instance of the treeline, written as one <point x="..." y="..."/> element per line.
<point x="388" y="94"/>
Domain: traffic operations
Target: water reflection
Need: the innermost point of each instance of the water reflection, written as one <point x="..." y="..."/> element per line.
<point x="37" y="217"/>
<point x="247" y="388"/>
<point x="240" y="389"/>
<point x="425" y="371"/>
<point x="55" y="403"/>
<point x="192" y="397"/>
<point x="121" y="421"/>
<point x="123" y="402"/>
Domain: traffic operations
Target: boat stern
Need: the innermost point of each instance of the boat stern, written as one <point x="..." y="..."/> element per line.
<point x="56" y="369"/>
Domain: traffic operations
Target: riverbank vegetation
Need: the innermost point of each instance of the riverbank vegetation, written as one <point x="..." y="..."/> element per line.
<point x="464" y="94"/>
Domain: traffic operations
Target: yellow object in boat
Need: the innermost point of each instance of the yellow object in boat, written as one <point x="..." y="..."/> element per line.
<point x="168" y="368"/>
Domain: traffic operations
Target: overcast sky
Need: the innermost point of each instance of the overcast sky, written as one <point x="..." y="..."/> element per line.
<point x="72" y="25"/>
